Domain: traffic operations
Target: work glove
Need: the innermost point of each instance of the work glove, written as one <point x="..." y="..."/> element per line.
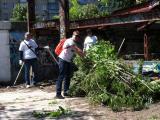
<point x="20" y="62"/>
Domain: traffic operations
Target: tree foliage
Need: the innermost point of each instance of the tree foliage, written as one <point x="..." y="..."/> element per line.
<point x="19" y="13"/>
<point x="119" y="4"/>
<point x="99" y="8"/>
<point x="78" y="11"/>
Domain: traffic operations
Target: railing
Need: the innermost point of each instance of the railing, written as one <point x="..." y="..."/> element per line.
<point x="153" y="15"/>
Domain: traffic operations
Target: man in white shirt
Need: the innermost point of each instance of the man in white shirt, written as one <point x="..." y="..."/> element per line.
<point x="89" y="40"/>
<point x="28" y="55"/>
<point x="65" y="59"/>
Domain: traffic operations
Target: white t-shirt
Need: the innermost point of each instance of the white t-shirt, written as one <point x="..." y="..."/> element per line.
<point x="89" y="41"/>
<point x="68" y="51"/>
<point x="28" y="53"/>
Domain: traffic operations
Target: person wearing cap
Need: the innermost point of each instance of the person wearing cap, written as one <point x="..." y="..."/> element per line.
<point x="27" y="50"/>
<point x="65" y="64"/>
<point x="89" y="40"/>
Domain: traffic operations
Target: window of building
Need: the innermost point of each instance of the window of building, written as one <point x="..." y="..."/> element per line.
<point x="4" y="5"/>
<point x="10" y="5"/>
<point x="7" y="5"/>
<point x="53" y="6"/>
<point x="51" y="1"/>
<point x="5" y="16"/>
<point x="86" y="1"/>
<point x="23" y="1"/>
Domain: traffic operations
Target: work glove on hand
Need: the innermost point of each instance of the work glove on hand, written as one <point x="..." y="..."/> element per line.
<point x="20" y="62"/>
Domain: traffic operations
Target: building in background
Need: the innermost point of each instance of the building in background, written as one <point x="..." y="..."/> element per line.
<point x="44" y="9"/>
<point x="6" y="7"/>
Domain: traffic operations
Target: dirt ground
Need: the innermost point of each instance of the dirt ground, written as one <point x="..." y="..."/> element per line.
<point x="18" y="103"/>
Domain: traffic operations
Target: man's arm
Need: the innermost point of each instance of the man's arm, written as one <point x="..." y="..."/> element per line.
<point x="21" y="49"/>
<point x="79" y="51"/>
<point x="21" y="55"/>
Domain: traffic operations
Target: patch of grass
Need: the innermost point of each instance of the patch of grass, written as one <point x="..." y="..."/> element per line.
<point x="53" y="102"/>
<point x="154" y="117"/>
<point x="52" y="114"/>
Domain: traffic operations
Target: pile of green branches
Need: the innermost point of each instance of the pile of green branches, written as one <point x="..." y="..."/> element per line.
<point x="105" y="79"/>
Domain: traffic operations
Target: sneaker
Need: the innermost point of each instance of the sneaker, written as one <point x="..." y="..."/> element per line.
<point x="28" y="86"/>
<point x="59" y="97"/>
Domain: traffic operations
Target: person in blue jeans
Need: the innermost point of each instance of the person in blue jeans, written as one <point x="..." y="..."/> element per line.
<point x="28" y="55"/>
<point x="28" y="64"/>
<point x="65" y="63"/>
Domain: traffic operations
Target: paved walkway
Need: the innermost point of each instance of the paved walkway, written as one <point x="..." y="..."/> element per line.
<point x="21" y="103"/>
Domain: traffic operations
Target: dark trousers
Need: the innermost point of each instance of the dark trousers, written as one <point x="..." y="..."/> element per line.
<point x="64" y="74"/>
<point x="28" y="64"/>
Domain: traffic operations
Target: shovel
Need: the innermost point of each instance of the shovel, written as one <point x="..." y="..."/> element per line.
<point x="51" y="54"/>
<point x="18" y="74"/>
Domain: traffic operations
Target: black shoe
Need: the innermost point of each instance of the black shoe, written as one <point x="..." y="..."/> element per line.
<point x="66" y="94"/>
<point x="35" y="84"/>
<point x="59" y="97"/>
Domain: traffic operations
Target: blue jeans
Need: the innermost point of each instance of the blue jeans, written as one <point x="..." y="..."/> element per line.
<point x="27" y="64"/>
<point x="64" y="74"/>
